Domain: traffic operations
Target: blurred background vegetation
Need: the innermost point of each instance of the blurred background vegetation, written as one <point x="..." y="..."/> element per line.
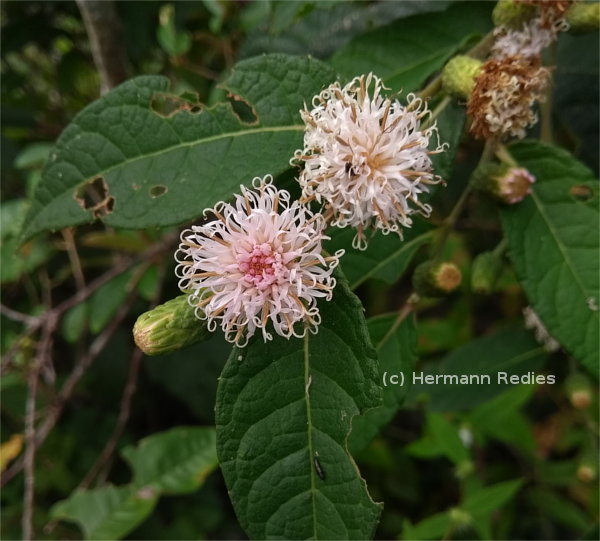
<point x="430" y="464"/>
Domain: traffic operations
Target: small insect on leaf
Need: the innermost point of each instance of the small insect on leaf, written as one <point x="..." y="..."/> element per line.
<point x="318" y="468"/>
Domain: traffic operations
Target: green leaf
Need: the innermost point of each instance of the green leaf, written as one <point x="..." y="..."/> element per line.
<point x="561" y="509"/>
<point x="74" y="322"/>
<point x="407" y="51"/>
<point x="284" y="411"/>
<point x="17" y="259"/>
<point x="441" y="439"/>
<point x="508" y="352"/>
<point x="433" y="527"/>
<point x="108" y="512"/>
<point x="153" y="169"/>
<point x="553" y="242"/>
<point x="500" y="418"/>
<point x="106" y="301"/>
<point x="173" y="42"/>
<point x="395" y="347"/>
<point x="450" y="124"/>
<point x="173" y="462"/>
<point x="486" y="500"/>
<point x="482" y="503"/>
<point x="386" y="257"/>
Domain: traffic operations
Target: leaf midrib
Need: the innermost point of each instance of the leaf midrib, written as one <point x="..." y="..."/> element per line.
<point x="124" y="163"/>
<point x="310" y="427"/>
<point x="395" y="254"/>
<point x="559" y="244"/>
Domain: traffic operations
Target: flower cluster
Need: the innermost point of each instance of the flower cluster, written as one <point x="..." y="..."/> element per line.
<point x="260" y="260"/>
<point x="366" y="158"/>
<point x="504" y="92"/>
<point x="512" y="80"/>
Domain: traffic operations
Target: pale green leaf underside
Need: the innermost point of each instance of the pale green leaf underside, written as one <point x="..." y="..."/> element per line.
<point x="283" y="405"/>
<point x="553" y="242"/>
<point x="195" y="159"/>
<point x="106" y="513"/>
<point x="173" y="462"/>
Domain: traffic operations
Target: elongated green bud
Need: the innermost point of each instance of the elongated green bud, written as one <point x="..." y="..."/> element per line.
<point x="584" y="17"/>
<point x="436" y="279"/>
<point x="458" y="76"/>
<point x="168" y="327"/>
<point x="485" y="272"/>
<point x="512" y="14"/>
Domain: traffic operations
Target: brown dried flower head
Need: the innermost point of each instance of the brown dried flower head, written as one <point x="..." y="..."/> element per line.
<point x="505" y="91"/>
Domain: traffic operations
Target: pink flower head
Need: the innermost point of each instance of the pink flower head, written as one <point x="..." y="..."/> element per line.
<point x="258" y="261"/>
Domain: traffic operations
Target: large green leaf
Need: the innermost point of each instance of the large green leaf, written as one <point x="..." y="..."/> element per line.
<point x="395" y="345"/>
<point x="386" y="257"/>
<point x="173" y="462"/>
<point x="284" y="411"/>
<point x="108" y="512"/>
<point x="154" y="168"/>
<point x="407" y="51"/>
<point x="553" y="242"/>
<point x="512" y="351"/>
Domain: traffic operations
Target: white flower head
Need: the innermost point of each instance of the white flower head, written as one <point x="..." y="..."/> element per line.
<point x="366" y="157"/>
<point x="258" y="261"/>
<point x="529" y="41"/>
<point x="533" y="322"/>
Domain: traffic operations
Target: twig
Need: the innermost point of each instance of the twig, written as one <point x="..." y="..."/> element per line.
<point x="104" y="32"/>
<point x="68" y="387"/>
<point x="17" y="316"/>
<point x="67" y="234"/>
<point x="125" y="409"/>
<point x="42" y="354"/>
<point x="450" y="221"/>
<point x="411" y="303"/>
<point x="123" y="417"/>
<point x="36" y="323"/>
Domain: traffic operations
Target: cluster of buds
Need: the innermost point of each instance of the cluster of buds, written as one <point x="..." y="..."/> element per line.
<point x="502" y="91"/>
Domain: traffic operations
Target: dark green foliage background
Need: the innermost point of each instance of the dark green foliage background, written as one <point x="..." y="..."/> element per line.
<point x="506" y="457"/>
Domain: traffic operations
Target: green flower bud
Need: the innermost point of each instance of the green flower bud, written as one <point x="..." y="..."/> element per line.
<point x="464" y="469"/>
<point x="485" y="271"/>
<point x="512" y="14"/>
<point x="579" y="390"/>
<point x="458" y="76"/>
<point x="504" y="182"/>
<point x="168" y="327"/>
<point x="459" y="517"/>
<point x="587" y="469"/>
<point x="436" y="279"/>
<point x="584" y="17"/>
